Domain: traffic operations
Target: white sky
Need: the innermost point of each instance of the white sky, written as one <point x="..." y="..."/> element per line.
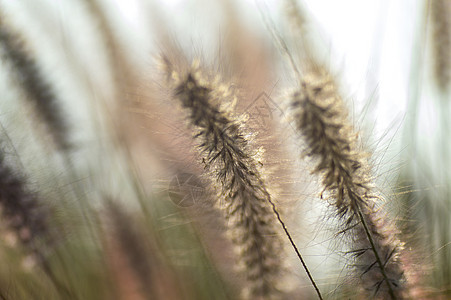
<point x="370" y="42"/>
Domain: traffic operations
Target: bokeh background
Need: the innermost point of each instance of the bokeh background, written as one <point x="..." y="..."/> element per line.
<point x="131" y="144"/>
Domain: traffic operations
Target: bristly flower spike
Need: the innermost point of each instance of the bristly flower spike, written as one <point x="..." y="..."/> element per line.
<point x="236" y="175"/>
<point x="321" y="118"/>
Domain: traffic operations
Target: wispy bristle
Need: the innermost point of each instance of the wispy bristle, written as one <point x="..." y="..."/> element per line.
<point x="322" y="119"/>
<point x="34" y="84"/>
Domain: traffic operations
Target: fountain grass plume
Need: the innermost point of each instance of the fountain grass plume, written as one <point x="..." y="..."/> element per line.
<point x="441" y="22"/>
<point x="21" y="210"/>
<point x="321" y="117"/>
<point x="233" y="168"/>
<point x="31" y="79"/>
<point x="237" y="176"/>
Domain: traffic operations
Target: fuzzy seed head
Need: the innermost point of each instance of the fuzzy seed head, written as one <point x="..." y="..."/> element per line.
<point x="20" y="208"/>
<point x="35" y="86"/>
<point x="441" y="21"/>
<point x="234" y="169"/>
<point x="321" y="117"/>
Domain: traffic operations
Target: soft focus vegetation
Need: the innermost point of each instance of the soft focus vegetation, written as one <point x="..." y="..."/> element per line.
<point x="225" y="149"/>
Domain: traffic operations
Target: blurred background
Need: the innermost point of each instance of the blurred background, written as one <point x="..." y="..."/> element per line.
<point x="131" y="215"/>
